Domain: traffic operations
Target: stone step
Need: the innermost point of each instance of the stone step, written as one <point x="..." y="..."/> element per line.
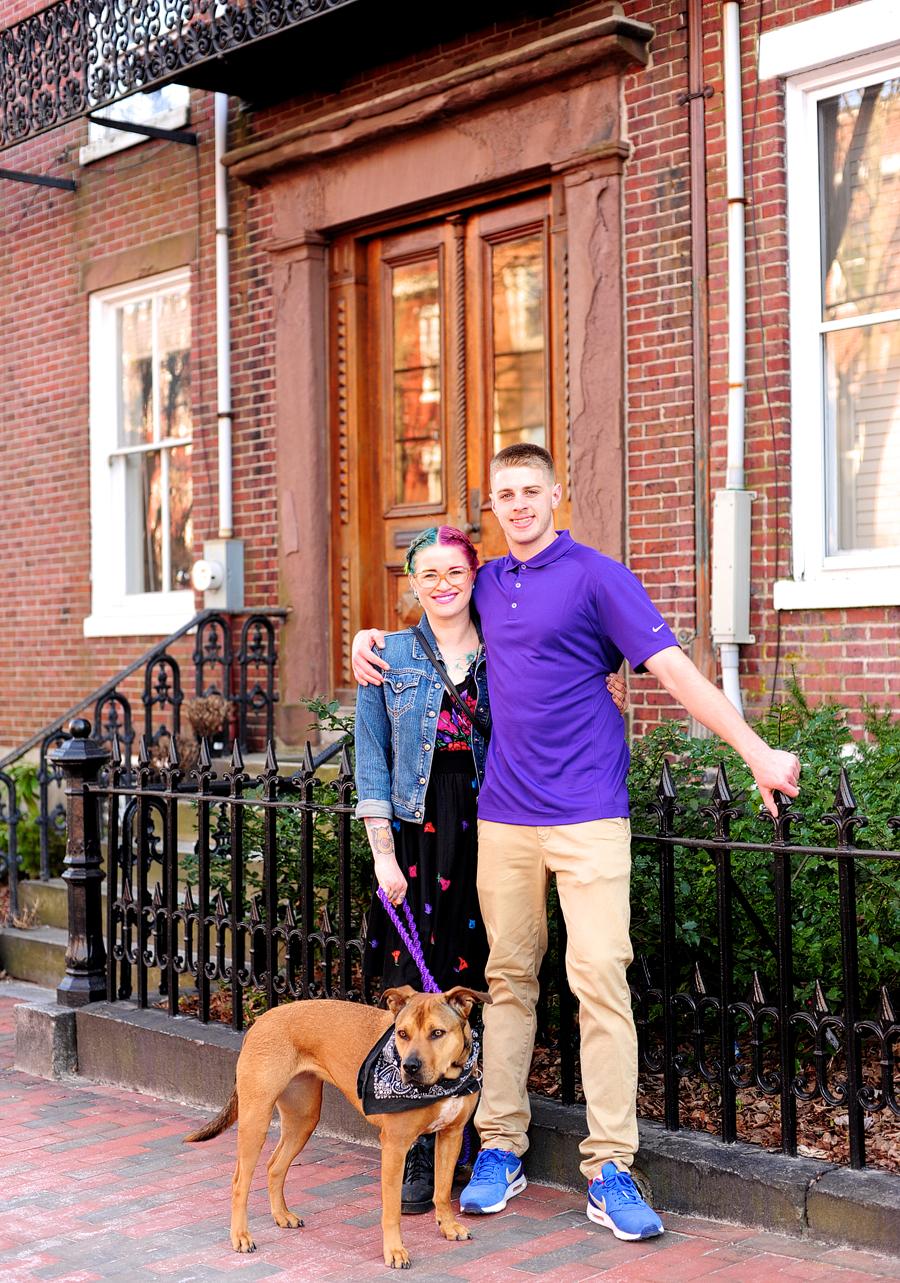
<point x="38" y="955"/>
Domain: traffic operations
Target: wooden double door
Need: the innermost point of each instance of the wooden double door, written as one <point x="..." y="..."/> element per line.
<point x="447" y="342"/>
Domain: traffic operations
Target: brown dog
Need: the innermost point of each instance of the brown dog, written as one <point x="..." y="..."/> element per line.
<point x="291" y="1050"/>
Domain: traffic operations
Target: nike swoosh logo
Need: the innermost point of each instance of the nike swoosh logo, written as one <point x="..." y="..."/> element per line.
<point x="658" y="626"/>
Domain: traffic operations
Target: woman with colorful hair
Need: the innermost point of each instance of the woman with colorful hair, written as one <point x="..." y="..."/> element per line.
<point x="419" y="765"/>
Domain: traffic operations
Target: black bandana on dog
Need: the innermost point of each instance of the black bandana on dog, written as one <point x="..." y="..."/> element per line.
<point x="382" y="1090"/>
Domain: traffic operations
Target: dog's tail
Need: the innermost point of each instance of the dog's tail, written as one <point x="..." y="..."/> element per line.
<point x="219" y="1124"/>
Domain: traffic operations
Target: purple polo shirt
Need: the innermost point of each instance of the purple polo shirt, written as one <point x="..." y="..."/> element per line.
<point x="554" y="626"/>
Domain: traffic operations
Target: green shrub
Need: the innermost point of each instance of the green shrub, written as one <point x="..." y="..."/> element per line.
<point x="822" y="740"/>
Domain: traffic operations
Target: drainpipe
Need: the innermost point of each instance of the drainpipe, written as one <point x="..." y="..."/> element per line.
<point x="219" y="574"/>
<point x="696" y="98"/>
<point x="731" y="511"/>
<point x="223" y="323"/>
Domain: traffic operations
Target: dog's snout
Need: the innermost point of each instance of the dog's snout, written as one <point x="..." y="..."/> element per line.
<point x="412" y="1064"/>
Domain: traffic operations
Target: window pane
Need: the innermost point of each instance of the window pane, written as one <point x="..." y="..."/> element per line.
<point x="174" y="339"/>
<point x="144" y="522"/>
<point x="517" y="289"/>
<point x="136" y="372"/>
<point x="863" y="404"/>
<point x="859" y="139"/>
<point x="417" y="383"/>
<point x="181" y="498"/>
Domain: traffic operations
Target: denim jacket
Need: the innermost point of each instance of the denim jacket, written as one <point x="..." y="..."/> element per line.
<point x="395" y="730"/>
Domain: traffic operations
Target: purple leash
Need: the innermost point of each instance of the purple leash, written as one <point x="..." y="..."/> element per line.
<point x="411" y="939"/>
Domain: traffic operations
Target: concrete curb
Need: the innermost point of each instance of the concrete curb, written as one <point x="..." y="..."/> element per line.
<point x="689" y="1172"/>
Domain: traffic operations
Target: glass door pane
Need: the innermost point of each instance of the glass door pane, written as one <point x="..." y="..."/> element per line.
<point x="417" y="418"/>
<point x="518" y="348"/>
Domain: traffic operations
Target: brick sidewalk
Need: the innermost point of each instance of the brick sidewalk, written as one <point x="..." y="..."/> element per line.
<point x="95" y="1184"/>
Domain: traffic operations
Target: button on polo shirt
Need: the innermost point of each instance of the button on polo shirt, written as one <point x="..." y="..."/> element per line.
<point x="553" y="627"/>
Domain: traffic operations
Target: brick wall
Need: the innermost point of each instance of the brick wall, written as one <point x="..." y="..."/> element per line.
<point x="849" y="654"/>
<point x="125" y="200"/>
<point x="157" y="189"/>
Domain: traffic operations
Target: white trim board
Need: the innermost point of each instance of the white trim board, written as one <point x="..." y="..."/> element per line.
<point x="832" y="37"/>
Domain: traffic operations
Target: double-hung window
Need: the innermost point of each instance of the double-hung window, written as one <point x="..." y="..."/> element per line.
<point x="843" y="172"/>
<point x="141" y="448"/>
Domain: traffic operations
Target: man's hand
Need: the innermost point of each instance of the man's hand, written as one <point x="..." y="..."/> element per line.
<point x="617" y="687"/>
<point x="367" y="666"/>
<point x="772" y="768"/>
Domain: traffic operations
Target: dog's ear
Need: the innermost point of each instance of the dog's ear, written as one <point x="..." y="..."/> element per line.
<point x="396" y="999"/>
<point x="463" y="999"/>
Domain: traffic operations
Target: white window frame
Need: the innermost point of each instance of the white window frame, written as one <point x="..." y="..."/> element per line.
<point x="115" y="612"/>
<point x="104" y="142"/>
<point x="864" y="577"/>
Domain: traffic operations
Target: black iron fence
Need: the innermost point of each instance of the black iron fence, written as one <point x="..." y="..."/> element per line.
<point x="239" y="667"/>
<point x="254" y="888"/>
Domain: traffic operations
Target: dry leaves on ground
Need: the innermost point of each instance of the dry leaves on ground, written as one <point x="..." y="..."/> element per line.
<point x="822" y="1130"/>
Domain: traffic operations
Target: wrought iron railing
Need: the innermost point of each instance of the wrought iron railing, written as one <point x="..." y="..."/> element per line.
<point x="76" y="56"/>
<point x="243" y="669"/>
<point x="269" y="905"/>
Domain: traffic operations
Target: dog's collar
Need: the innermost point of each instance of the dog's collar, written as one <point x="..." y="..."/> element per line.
<point x="382" y="1090"/>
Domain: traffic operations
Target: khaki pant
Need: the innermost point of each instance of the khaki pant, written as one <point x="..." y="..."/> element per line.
<point x="592" y="863"/>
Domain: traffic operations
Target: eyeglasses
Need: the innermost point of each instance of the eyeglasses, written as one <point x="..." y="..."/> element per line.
<point x="456" y="576"/>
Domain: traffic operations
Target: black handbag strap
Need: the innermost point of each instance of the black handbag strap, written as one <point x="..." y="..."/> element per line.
<point x="481" y="727"/>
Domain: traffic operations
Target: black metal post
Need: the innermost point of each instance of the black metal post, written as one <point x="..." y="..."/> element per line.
<point x="81" y="760"/>
<point x="852" y="1041"/>
<point x="236" y="779"/>
<point x="665" y="809"/>
<point x="270" y="874"/>
<point x="344" y="789"/>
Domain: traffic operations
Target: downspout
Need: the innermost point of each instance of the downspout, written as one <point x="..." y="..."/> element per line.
<point x="696" y="97"/>
<point x="223" y="323"/>
<point x="731" y="526"/>
<point x="219" y="574"/>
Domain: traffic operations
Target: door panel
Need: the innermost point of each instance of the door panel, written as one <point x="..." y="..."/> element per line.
<point x="445" y="347"/>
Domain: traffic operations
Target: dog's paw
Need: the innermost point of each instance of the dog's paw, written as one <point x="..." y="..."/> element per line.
<point x="242" y="1242"/>
<point x="453" y="1231"/>
<point x="287" y="1220"/>
<point x="396" y="1258"/>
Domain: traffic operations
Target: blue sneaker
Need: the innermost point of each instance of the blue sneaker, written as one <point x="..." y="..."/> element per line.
<point x="613" y="1201"/>
<point x="497" y="1175"/>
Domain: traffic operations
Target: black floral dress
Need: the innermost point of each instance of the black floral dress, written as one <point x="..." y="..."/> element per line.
<point x="439" y="861"/>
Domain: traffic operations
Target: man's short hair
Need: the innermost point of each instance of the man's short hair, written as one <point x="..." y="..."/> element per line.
<point x="524" y="454"/>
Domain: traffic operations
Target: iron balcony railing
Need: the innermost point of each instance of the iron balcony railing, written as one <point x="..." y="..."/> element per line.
<point x="270" y="907"/>
<point x="240" y="668"/>
<point x="76" y="56"/>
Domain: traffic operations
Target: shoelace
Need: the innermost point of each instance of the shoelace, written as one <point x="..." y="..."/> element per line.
<point x="487" y="1162"/>
<point x="623" y="1186"/>
<point x="418" y="1164"/>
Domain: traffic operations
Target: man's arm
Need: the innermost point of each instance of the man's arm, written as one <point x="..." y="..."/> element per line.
<point x="369" y="667"/>
<point x="772" y="768"/>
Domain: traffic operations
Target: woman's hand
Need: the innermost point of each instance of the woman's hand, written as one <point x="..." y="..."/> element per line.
<point x="387" y="870"/>
<point x="390" y="878"/>
<point x="615" y="684"/>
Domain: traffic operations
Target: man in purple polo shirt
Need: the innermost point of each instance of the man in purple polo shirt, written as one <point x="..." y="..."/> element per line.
<point x="556" y="617"/>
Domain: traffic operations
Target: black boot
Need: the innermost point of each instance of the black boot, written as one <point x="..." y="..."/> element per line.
<point x="418" y="1177"/>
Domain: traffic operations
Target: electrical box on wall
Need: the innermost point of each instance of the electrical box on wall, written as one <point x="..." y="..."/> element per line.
<point x="220" y="574"/>
<point x="731" y="566"/>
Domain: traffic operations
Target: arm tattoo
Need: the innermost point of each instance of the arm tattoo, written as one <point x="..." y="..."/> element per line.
<point x="381" y="839"/>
